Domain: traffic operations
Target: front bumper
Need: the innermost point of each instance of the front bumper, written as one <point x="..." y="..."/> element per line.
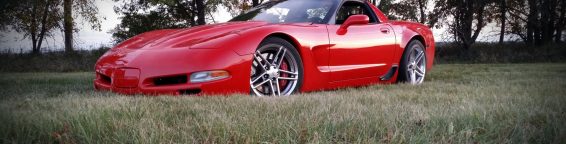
<point x="167" y="71"/>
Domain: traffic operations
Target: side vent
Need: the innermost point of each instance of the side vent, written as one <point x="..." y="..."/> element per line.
<point x="390" y="73"/>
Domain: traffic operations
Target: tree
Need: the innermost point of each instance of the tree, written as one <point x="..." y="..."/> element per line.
<point x="465" y="19"/>
<point x="145" y="15"/>
<point x="6" y="8"/>
<point x="411" y="10"/>
<point x="256" y="2"/>
<point x="415" y="10"/>
<point x="86" y="9"/>
<point x="386" y="7"/>
<point x="36" y="19"/>
<point x="537" y="22"/>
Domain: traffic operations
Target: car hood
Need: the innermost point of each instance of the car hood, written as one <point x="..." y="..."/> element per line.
<point x="185" y="38"/>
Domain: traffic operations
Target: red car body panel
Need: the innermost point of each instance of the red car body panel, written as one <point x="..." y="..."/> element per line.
<point x="149" y="62"/>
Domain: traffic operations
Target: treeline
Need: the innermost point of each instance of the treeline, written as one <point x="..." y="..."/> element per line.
<point x="532" y="22"/>
<point x="139" y="16"/>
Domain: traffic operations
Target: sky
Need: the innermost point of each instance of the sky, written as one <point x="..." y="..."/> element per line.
<point x="87" y="38"/>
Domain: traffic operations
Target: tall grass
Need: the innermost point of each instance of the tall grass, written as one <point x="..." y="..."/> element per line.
<point x="504" y="103"/>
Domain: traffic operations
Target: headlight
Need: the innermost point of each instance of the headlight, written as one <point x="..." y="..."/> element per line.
<point x="207" y="76"/>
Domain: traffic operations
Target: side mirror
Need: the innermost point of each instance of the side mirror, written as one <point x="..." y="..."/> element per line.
<point x="353" y="20"/>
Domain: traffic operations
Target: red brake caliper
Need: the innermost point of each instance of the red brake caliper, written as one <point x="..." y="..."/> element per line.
<point x="285" y="67"/>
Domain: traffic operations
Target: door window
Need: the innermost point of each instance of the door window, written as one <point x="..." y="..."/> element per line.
<point x="353" y="8"/>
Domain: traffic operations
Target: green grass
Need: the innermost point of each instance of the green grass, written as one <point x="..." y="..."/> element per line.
<point x="503" y="103"/>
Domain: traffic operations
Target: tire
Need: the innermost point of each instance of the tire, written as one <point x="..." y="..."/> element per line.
<point x="273" y="76"/>
<point x="413" y="64"/>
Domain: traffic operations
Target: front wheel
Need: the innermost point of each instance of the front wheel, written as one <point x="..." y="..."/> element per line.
<point x="277" y="69"/>
<point x="413" y="64"/>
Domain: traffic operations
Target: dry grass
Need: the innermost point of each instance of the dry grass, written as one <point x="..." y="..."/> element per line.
<point x="519" y="103"/>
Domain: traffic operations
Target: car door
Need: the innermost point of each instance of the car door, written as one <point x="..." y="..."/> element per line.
<point x="364" y="50"/>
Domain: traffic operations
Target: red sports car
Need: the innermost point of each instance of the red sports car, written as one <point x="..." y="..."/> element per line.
<point x="276" y="49"/>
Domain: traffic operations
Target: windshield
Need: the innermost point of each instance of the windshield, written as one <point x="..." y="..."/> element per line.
<point x="290" y="11"/>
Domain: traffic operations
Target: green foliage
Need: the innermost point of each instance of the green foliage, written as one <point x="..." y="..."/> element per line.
<point x="86" y="11"/>
<point x="140" y="16"/>
<point x="133" y="24"/>
<point x="517" y="103"/>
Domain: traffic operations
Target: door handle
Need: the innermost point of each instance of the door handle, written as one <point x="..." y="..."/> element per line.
<point x="385" y="30"/>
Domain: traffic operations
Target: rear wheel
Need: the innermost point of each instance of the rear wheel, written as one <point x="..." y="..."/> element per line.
<point x="413" y="64"/>
<point x="277" y="69"/>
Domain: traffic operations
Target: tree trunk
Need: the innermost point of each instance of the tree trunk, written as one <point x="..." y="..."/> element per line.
<point x="548" y="17"/>
<point x="201" y="12"/>
<point x="255" y="3"/>
<point x="43" y="23"/>
<point x="532" y="22"/>
<point x="503" y="19"/>
<point x="34" y="49"/>
<point x="68" y="24"/>
<point x="422" y="7"/>
<point x="561" y="22"/>
<point x="33" y="30"/>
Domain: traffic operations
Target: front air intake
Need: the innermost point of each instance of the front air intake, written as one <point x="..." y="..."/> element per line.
<point x="105" y="79"/>
<point x="170" y="80"/>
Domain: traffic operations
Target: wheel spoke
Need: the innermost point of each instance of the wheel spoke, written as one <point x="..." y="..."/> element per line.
<point x="259" y="77"/>
<point x="419" y="57"/>
<point x="272" y="89"/>
<point x="276" y="58"/>
<point x="287" y="72"/>
<point x="261" y="83"/>
<point x="419" y="73"/>
<point x="258" y="54"/>
<point x="260" y="65"/>
<point x="287" y="78"/>
<point x="413" y="77"/>
<point x="420" y="70"/>
<point x="278" y="88"/>
<point x="280" y="60"/>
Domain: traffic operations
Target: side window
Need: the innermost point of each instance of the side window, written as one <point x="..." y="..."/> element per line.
<point x="353" y="8"/>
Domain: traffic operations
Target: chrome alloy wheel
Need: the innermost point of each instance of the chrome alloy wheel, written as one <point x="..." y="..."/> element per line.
<point x="416" y="67"/>
<point x="274" y="72"/>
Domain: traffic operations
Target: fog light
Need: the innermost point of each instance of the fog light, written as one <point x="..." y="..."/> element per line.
<point x="207" y="76"/>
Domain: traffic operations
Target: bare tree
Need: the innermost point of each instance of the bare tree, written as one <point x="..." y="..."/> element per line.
<point x="467" y="19"/>
<point x="36" y="19"/>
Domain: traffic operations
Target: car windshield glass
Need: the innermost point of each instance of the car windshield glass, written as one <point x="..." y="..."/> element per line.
<point x="290" y="11"/>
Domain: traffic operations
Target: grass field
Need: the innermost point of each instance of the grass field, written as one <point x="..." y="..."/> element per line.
<point x="503" y="103"/>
